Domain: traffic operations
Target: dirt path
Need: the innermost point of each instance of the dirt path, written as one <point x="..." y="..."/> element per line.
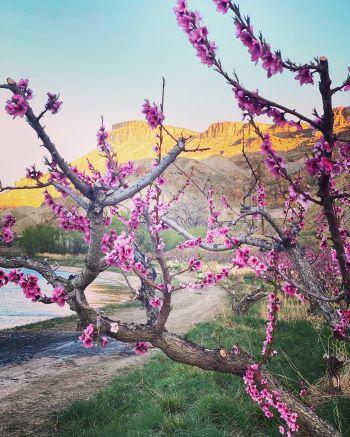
<point x="52" y="370"/>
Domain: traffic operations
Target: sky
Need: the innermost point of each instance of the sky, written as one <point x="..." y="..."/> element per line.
<point x="105" y="57"/>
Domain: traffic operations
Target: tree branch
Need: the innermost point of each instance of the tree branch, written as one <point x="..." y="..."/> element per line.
<point x="125" y="193"/>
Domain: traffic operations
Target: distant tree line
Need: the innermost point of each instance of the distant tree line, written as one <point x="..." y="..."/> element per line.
<point x="50" y="239"/>
<point x="46" y="238"/>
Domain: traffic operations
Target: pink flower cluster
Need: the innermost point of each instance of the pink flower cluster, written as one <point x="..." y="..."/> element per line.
<point x="260" y="196"/>
<point x="190" y="243"/>
<point x="59" y="296"/>
<point x="190" y="22"/>
<point x="6" y="232"/>
<point x="252" y="103"/>
<point x="3" y="278"/>
<point x="153" y="115"/>
<point x="210" y="278"/>
<point x="17" y="106"/>
<point x="304" y="76"/>
<point x="273" y="306"/>
<point x="88" y="336"/>
<point x="222" y="5"/>
<point x="141" y="348"/>
<point x="69" y="219"/>
<point x="291" y="290"/>
<point x="302" y="198"/>
<point x="271" y="62"/>
<point x="241" y="257"/>
<point x="274" y="163"/>
<point x="224" y="201"/>
<point x="156" y="302"/>
<point x="256" y="388"/>
<point x="102" y="136"/>
<point x="257" y="265"/>
<point x="320" y="162"/>
<point x="23" y="86"/>
<point x="119" y="251"/>
<point x="194" y="264"/>
<point x="344" y="324"/>
<point x="53" y="104"/>
<point x="30" y="287"/>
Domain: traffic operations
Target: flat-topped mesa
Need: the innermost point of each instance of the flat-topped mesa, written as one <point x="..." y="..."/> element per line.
<point x="136" y="130"/>
<point x="134" y="140"/>
<point x="223" y="129"/>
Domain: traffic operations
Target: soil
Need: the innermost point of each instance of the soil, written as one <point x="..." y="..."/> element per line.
<point x="43" y="371"/>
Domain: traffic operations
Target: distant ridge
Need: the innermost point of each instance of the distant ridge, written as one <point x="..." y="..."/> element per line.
<point x="133" y="140"/>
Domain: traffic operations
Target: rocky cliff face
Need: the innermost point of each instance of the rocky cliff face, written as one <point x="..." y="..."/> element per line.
<point x="133" y="140"/>
<point x="342" y="118"/>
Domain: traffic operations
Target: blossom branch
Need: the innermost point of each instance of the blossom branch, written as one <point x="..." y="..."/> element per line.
<point x="122" y="194"/>
<point x="49" y="145"/>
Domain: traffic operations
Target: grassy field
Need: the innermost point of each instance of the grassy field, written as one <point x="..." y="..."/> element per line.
<point x="168" y="399"/>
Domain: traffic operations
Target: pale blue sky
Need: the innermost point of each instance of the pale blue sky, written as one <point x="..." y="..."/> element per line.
<point x="106" y="56"/>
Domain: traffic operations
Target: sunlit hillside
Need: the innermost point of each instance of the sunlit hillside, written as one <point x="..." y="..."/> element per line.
<point x="133" y="140"/>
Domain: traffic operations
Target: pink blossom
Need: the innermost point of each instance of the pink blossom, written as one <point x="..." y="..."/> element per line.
<point x="7" y="235"/>
<point x="23" y="86"/>
<point x="160" y="181"/>
<point x="17" y="106"/>
<point x="343" y="326"/>
<point x="141" y="348"/>
<point x="289" y="289"/>
<point x="119" y="250"/>
<point x="53" y="104"/>
<point x="272" y="63"/>
<point x="69" y="218"/>
<point x="266" y="399"/>
<point x="194" y="264"/>
<point x="153" y="115"/>
<point x="156" y="302"/>
<point x="197" y="34"/>
<point x="304" y="76"/>
<point x="59" y="296"/>
<point x="312" y="166"/>
<point x="222" y="5"/>
<point x="273" y="307"/>
<point x="102" y="136"/>
<point x="87" y="336"/>
<point x="15" y="276"/>
<point x="30" y="287"/>
<point x="3" y="278"/>
<point x="326" y="165"/>
<point x="104" y="342"/>
<point x="260" y="196"/>
<point x="241" y="258"/>
<point x="114" y="327"/>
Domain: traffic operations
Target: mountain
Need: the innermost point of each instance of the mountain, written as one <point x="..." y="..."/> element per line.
<point x="133" y="140"/>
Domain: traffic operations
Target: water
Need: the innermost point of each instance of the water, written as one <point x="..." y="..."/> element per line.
<point x="16" y="309"/>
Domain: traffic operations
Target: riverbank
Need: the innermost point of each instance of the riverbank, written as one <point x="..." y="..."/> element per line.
<point x="109" y="288"/>
<point x="54" y="370"/>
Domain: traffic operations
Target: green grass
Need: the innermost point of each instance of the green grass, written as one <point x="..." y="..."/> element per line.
<point x="168" y="399"/>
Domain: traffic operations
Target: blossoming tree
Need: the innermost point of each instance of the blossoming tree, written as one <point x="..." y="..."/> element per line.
<point x="276" y="255"/>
